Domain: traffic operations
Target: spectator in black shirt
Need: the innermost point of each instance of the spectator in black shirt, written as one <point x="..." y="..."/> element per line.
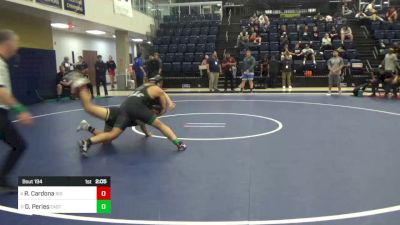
<point x="305" y="36"/>
<point x="274" y="68"/>
<point x="264" y="68"/>
<point x="315" y="34"/>
<point x="111" y="67"/>
<point x="153" y="66"/>
<point x="101" y="70"/>
<point x="333" y="34"/>
<point x="83" y="68"/>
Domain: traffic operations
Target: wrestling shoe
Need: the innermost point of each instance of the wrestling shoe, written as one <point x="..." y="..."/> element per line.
<point x="181" y="147"/>
<point x="83" y="126"/>
<point x="84" y="147"/>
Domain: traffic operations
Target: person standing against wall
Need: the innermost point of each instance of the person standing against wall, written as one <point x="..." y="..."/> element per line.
<point x="111" y="67"/>
<point x="228" y="65"/>
<point x="138" y="67"/>
<point x="335" y="66"/>
<point x="214" y="69"/>
<point x="286" y="61"/>
<point x="8" y="133"/>
<point x="101" y="70"/>
<point x="249" y="63"/>
<point x="82" y="67"/>
<point x="66" y="64"/>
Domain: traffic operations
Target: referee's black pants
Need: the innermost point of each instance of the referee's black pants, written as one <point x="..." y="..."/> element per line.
<point x="10" y="136"/>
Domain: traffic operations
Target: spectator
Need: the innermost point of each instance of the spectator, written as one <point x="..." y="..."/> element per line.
<point x="153" y="66"/>
<point x="264" y="68"/>
<point x="214" y="69"/>
<point x="308" y="54"/>
<point x="335" y="66"/>
<point x="249" y="63"/>
<point x="157" y="57"/>
<point x="140" y="73"/>
<point x="319" y="17"/>
<point x="305" y="36"/>
<point x="326" y="43"/>
<point x="375" y="17"/>
<point x="101" y="70"/>
<point x="370" y="9"/>
<point x="204" y="66"/>
<point x="315" y="34"/>
<point x="328" y="18"/>
<point x="333" y="33"/>
<point x="390" y="62"/>
<point x="255" y="38"/>
<point x="265" y="27"/>
<point x="391" y="15"/>
<point x="346" y="33"/>
<point x="283" y="29"/>
<point x="284" y="39"/>
<point x="273" y="71"/>
<point x="82" y="67"/>
<point x="345" y="9"/>
<point x="66" y="64"/>
<point x="111" y="67"/>
<point x="286" y="61"/>
<point x="61" y="82"/>
<point x="361" y="15"/>
<point x="297" y="51"/>
<point x="229" y="68"/>
<point x="243" y="38"/>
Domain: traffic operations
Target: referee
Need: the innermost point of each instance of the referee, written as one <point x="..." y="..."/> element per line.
<point x="8" y="133"/>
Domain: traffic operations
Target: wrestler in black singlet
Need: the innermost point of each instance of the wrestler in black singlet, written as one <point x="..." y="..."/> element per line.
<point x="138" y="106"/>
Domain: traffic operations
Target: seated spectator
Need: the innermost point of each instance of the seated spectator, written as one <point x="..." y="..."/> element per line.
<point x="256" y="26"/>
<point x="370" y="9"/>
<point x="308" y="54"/>
<point x="375" y="17"/>
<point x="261" y="19"/>
<point x="315" y="34"/>
<point x="319" y="17"/>
<point x="284" y="39"/>
<point x="282" y="29"/>
<point x="264" y="27"/>
<point x="346" y="33"/>
<point x="345" y="9"/>
<point x="305" y="36"/>
<point x="360" y="15"/>
<point x="242" y="38"/>
<point x="391" y="15"/>
<point x="253" y="19"/>
<point x="326" y="43"/>
<point x="255" y="38"/>
<point x="333" y="33"/>
<point x="328" y="18"/>
<point x="62" y="84"/>
<point x="297" y="51"/>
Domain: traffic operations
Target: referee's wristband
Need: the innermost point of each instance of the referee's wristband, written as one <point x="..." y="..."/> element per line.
<point x="19" y="108"/>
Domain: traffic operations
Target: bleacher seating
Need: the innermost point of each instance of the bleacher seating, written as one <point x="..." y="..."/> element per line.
<point x="272" y="47"/>
<point x="182" y="42"/>
<point x="384" y="33"/>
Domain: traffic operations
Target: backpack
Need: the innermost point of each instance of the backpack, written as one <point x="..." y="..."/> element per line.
<point x="358" y="91"/>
